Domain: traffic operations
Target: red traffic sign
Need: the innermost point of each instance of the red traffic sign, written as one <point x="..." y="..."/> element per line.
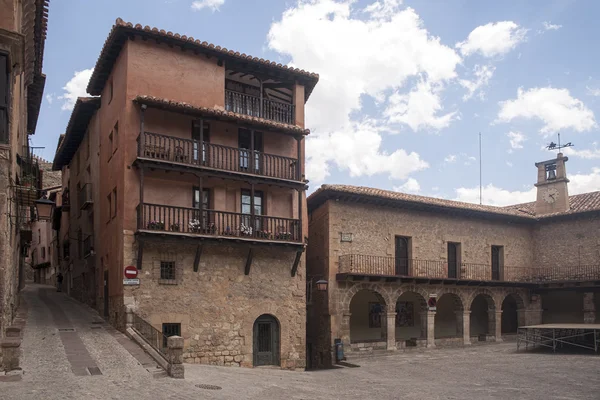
<point x="130" y="272"/>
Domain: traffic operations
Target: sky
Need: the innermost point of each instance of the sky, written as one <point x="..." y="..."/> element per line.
<point x="405" y="89"/>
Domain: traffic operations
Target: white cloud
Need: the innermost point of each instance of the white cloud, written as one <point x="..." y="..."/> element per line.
<point x="516" y="140"/>
<point x="470" y="160"/>
<point x="50" y="98"/>
<point x="373" y="55"/>
<point x="548" y="26"/>
<point x="593" y="91"/>
<point x="492" y="39"/>
<point x="419" y="109"/>
<point x="509" y="163"/>
<point x="495" y="196"/>
<point x="450" y="158"/>
<point x="410" y="186"/>
<point x="554" y="107"/>
<point x="588" y="154"/>
<point x="358" y="151"/>
<point x="584" y="183"/>
<point x="75" y="88"/>
<point x="211" y="4"/>
<point x="482" y="75"/>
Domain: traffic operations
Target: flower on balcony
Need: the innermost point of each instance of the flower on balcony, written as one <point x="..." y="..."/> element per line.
<point x="157" y="225"/>
<point x="284" y="236"/>
<point x="175" y="227"/>
<point x="246" y="230"/>
<point x="195" y="226"/>
<point x="264" y="234"/>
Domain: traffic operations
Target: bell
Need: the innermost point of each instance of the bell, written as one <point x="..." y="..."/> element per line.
<point x="551" y="174"/>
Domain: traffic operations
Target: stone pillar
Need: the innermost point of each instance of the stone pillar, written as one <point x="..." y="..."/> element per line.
<point x="498" y="325"/>
<point x="463" y="326"/>
<point x="10" y="348"/>
<point x="391" y="331"/>
<point x="344" y="331"/>
<point x="521" y="317"/>
<point x="430" y="329"/>
<point x="589" y="308"/>
<point x="175" y="357"/>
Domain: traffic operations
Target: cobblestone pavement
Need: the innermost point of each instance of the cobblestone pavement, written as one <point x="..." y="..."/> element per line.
<point x="52" y="363"/>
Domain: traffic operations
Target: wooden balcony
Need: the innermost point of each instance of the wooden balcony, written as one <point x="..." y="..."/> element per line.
<point x="246" y="104"/>
<point x="85" y="196"/>
<point x="361" y="265"/>
<point x="216" y="157"/>
<point x="155" y="218"/>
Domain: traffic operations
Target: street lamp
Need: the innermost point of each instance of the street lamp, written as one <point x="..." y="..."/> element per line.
<point x="322" y="285"/>
<point x="44" y="208"/>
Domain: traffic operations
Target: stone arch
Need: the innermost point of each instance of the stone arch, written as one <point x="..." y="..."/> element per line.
<point x="512" y="313"/>
<point x="483" y="314"/>
<point x="367" y="316"/>
<point x="449" y="315"/>
<point x="411" y="314"/>
<point x="373" y="287"/>
<point x="490" y="297"/>
<point x="266" y="338"/>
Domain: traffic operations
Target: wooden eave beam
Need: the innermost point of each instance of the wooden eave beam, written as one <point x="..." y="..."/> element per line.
<point x="199" y="249"/>
<point x="249" y="261"/>
<point x="140" y="255"/>
<point x="296" y="262"/>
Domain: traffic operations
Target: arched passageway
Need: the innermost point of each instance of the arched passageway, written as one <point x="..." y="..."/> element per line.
<point x="449" y="317"/>
<point x="367" y="317"/>
<point x="483" y="316"/>
<point x="510" y="313"/>
<point x="411" y="321"/>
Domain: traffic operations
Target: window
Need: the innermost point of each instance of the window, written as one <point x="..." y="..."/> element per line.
<point x="66" y="250"/>
<point x="247" y="206"/>
<point x="115" y="137"/>
<point x="114" y="203"/>
<point x="167" y="270"/>
<point x="109" y="210"/>
<point x="43" y="253"/>
<point x="497" y="262"/>
<point x="205" y="204"/>
<point x="110" y="145"/>
<point x="4" y="98"/>
<point x="402" y="261"/>
<point x="245" y="143"/>
<point x="39" y="236"/>
<point x="170" y="329"/>
<point x="196" y="139"/>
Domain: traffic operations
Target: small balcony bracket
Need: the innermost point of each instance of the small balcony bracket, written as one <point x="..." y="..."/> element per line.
<point x="296" y="262"/>
<point x="249" y="261"/>
<point x="140" y="255"/>
<point x="198" y="255"/>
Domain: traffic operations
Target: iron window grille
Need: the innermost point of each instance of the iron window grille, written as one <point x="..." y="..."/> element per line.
<point x="167" y="270"/>
<point x="170" y="329"/>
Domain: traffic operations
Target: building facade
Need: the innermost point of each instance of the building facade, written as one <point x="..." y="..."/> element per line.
<point x="488" y="269"/>
<point x="22" y="36"/>
<point x="196" y="178"/>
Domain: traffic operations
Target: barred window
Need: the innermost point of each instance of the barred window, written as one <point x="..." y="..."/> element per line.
<point x="167" y="270"/>
<point x="170" y="329"/>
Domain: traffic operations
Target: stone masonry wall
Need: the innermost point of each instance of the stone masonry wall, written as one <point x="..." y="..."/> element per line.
<point x="218" y="305"/>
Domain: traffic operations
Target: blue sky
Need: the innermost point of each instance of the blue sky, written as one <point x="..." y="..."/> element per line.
<point x="405" y="86"/>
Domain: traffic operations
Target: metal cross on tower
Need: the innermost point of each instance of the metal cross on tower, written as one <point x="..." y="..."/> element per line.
<point x="554" y="146"/>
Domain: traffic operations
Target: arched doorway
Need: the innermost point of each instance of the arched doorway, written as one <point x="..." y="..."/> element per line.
<point x="368" y="317"/>
<point x="411" y="321"/>
<point x="448" y="317"/>
<point x="266" y="341"/>
<point x="483" y="316"/>
<point x="510" y="315"/>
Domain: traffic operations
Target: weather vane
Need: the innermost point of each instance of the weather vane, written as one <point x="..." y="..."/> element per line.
<point x="554" y="146"/>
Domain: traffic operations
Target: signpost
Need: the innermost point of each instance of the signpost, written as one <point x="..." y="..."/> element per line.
<point x="432" y="302"/>
<point x="130" y="272"/>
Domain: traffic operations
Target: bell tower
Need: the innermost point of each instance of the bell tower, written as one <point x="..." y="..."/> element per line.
<point x="552" y="190"/>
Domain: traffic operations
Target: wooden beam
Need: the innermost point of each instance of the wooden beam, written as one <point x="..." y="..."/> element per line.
<point x="199" y="249"/>
<point x="249" y="261"/>
<point x="140" y="255"/>
<point x="296" y="262"/>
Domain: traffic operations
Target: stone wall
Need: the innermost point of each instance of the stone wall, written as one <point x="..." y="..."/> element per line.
<point x="218" y="305"/>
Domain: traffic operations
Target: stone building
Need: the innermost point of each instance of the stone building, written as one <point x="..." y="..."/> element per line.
<point x="490" y="269"/>
<point x="189" y="166"/>
<point x="22" y="36"/>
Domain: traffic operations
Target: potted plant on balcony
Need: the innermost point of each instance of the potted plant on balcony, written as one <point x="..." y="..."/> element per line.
<point x="246" y="230"/>
<point x="195" y="226"/>
<point x="228" y="231"/>
<point x="263" y="234"/>
<point x="175" y="227"/>
<point x="283" y="236"/>
<point x="28" y="181"/>
<point x="156" y="225"/>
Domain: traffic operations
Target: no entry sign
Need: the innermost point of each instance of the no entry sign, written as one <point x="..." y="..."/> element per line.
<point x="130" y="272"/>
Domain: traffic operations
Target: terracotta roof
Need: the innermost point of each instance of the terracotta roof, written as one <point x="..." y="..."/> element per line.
<point x="579" y="203"/>
<point x="217" y="113"/>
<point x="122" y="30"/>
<point x="85" y="108"/>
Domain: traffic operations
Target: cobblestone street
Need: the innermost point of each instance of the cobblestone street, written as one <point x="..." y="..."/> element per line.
<point x="55" y="365"/>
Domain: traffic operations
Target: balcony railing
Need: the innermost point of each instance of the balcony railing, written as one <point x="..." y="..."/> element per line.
<point x="251" y="105"/>
<point x="187" y="151"/>
<point x="85" y="196"/>
<point x="361" y="264"/>
<point x="162" y="218"/>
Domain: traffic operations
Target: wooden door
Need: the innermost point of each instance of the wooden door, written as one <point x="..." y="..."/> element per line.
<point x="266" y="341"/>
<point x="402" y="256"/>
<point x="496" y="263"/>
<point x="452" y="260"/>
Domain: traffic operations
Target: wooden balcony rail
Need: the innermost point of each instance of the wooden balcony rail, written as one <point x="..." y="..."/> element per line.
<point x="251" y="105"/>
<point x="85" y="196"/>
<point x="156" y="217"/>
<point x="361" y="264"/>
<point x="187" y="151"/>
